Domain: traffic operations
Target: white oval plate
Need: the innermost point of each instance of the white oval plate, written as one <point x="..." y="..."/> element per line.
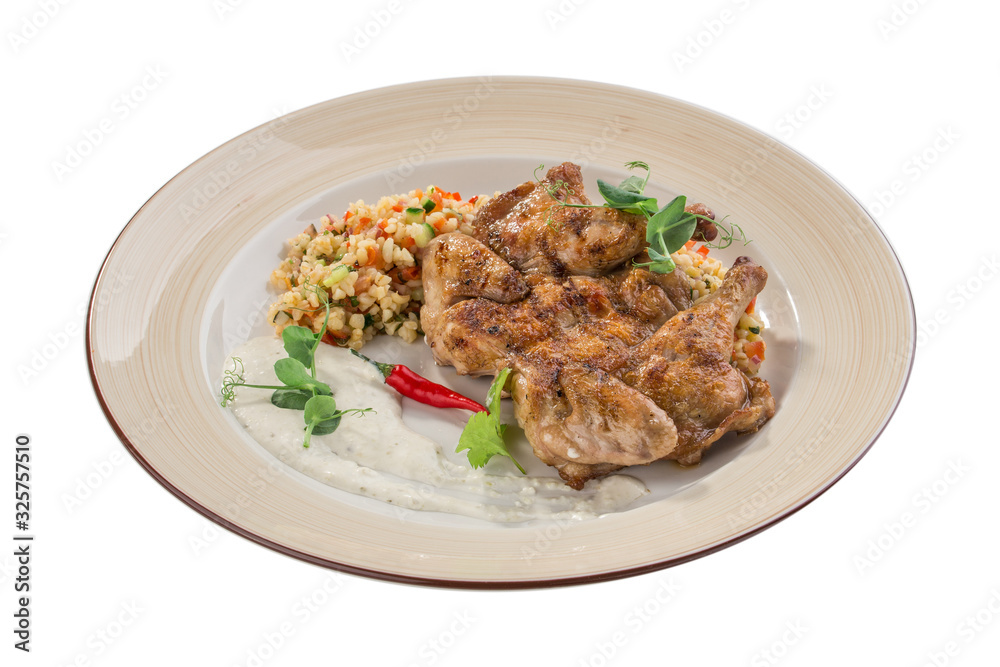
<point x="185" y="283"/>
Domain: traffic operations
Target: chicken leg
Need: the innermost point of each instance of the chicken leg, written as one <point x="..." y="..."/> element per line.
<point x="684" y="368"/>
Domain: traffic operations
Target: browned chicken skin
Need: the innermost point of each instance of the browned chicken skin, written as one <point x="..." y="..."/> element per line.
<point x="684" y="368"/>
<point x="527" y="231"/>
<point x="613" y="366"/>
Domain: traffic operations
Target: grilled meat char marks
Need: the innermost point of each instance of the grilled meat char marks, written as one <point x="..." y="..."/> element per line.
<point x="685" y="368"/>
<point x="613" y="365"/>
<point x="524" y="228"/>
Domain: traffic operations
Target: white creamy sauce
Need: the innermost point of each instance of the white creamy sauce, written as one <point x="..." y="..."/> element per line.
<point x="379" y="456"/>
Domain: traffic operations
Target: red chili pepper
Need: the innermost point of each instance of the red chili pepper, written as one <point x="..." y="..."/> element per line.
<point x="420" y="389"/>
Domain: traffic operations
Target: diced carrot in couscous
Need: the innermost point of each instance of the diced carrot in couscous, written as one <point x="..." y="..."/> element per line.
<point x="382" y="292"/>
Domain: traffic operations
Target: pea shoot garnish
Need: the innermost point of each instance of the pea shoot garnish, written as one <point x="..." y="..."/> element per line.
<point x="300" y="389"/>
<point x="667" y="228"/>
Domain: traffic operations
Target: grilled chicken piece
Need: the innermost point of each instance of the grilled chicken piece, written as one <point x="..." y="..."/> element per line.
<point x="684" y="368"/>
<point x="601" y="396"/>
<point x="613" y="366"/>
<point x="457" y="267"/>
<point x="580" y="318"/>
<point x="632" y="289"/>
<point x="586" y="422"/>
<point x="529" y="229"/>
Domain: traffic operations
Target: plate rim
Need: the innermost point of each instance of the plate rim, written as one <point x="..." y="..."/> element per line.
<point x="490" y="584"/>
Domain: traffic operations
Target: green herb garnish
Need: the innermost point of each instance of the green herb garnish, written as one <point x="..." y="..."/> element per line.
<point x="301" y="390"/>
<point x="666" y="232"/>
<point x="483" y="435"/>
<point x="667" y="228"/>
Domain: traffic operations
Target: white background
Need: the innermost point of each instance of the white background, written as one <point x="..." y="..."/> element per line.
<point x="837" y="583"/>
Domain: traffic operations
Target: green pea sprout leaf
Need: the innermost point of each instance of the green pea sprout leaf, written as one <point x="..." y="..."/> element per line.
<point x="632" y="184"/>
<point x="483" y="435"/>
<point x="300" y="344"/>
<point x="322" y="416"/>
<point x="626" y="200"/>
<point x="297" y="373"/>
<point x="667" y="228"/>
<point x="292" y="399"/>
<point x="294" y="374"/>
<point x="320" y="408"/>
<point x="666" y="232"/>
<point x="328" y="426"/>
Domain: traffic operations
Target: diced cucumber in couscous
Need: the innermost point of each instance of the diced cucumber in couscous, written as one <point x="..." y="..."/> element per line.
<point x="414" y="215"/>
<point x="337" y="274"/>
<point x="367" y="261"/>
<point x="423" y="235"/>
